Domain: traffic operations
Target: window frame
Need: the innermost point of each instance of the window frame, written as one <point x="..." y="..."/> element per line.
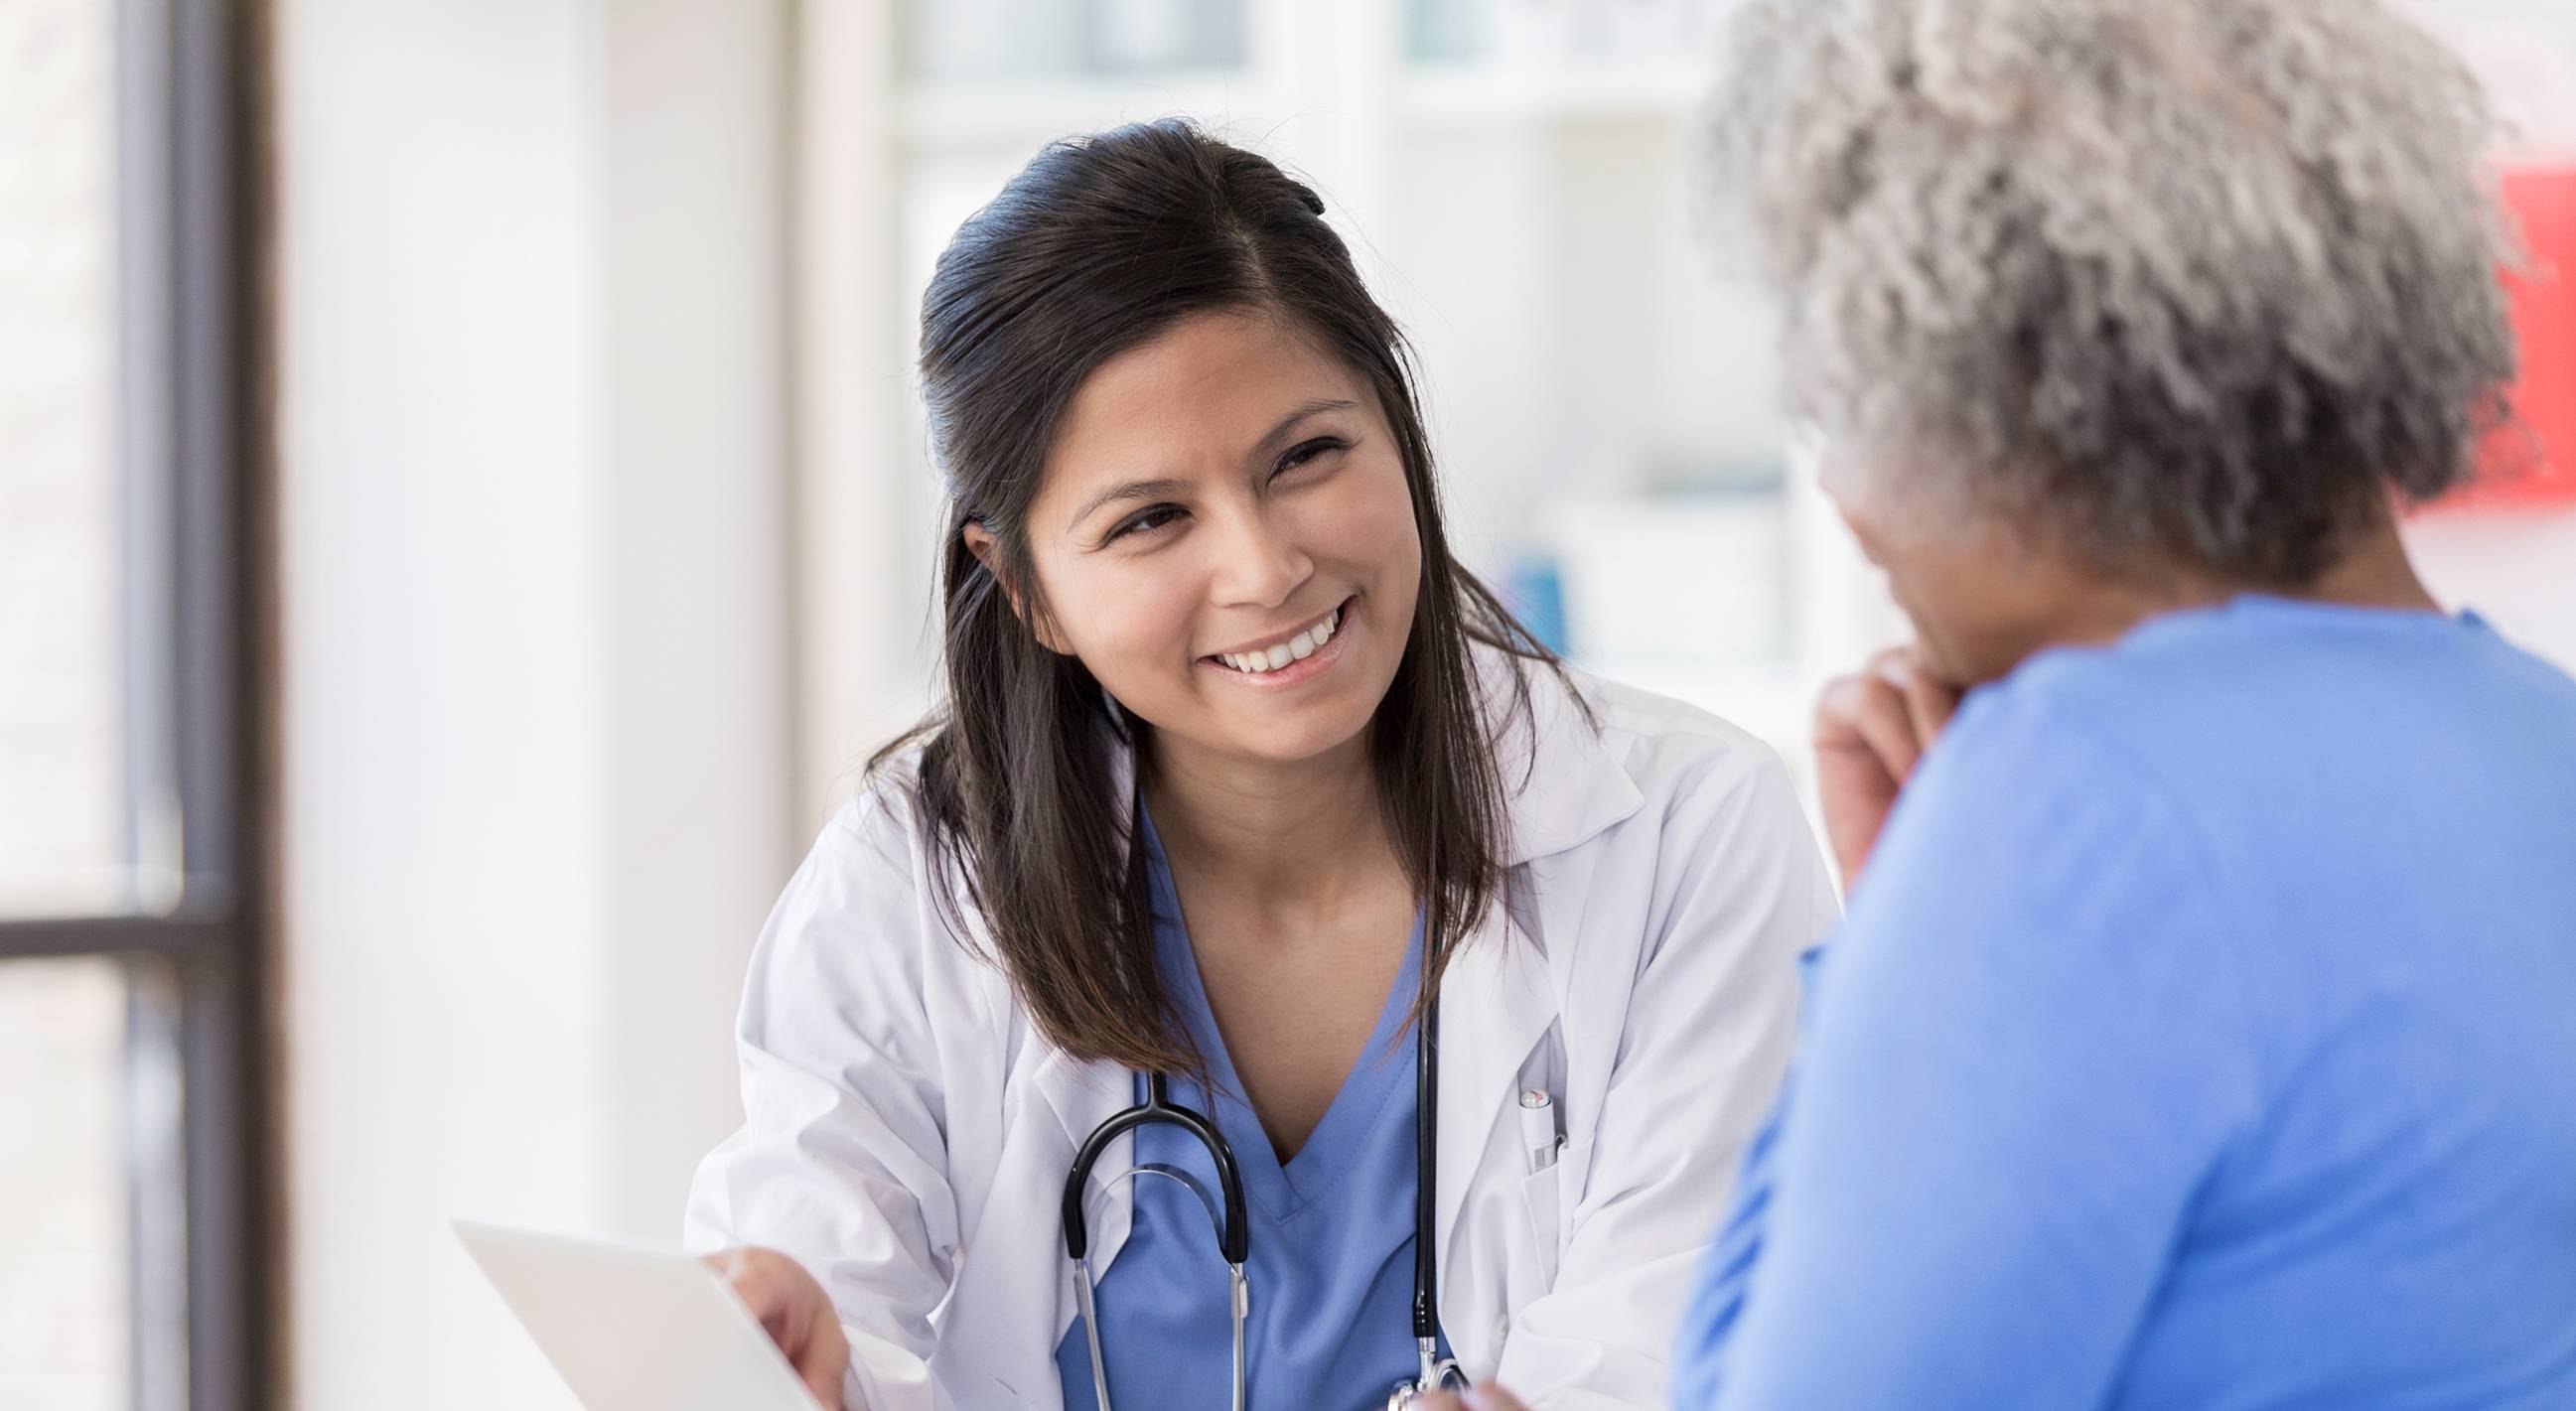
<point x="195" y="622"/>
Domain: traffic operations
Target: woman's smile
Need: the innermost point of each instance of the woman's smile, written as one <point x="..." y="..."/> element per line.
<point x="1284" y="660"/>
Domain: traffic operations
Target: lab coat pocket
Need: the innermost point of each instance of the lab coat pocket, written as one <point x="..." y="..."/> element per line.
<point x="1539" y="1205"/>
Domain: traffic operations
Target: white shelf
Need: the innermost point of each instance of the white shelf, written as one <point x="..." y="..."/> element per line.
<point x="1572" y="92"/>
<point x="951" y="114"/>
<point x="1024" y="112"/>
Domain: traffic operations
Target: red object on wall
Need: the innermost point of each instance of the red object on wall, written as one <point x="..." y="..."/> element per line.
<point x="2533" y="460"/>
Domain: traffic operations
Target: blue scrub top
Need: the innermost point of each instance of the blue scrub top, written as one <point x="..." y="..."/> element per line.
<point x="1331" y="1239"/>
<point x="2203" y="1034"/>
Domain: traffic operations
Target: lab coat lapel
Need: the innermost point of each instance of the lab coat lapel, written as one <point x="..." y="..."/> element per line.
<point x="1565" y="785"/>
<point x="1501" y="990"/>
<point x="1496" y="1002"/>
<point x="1082" y="1095"/>
<point x="1069" y="1098"/>
<point x="1014" y="1296"/>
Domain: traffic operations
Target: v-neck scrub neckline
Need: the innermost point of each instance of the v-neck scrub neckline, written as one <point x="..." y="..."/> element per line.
<point x="1331" y="1238"/>
<point x="1286" y="1189"/>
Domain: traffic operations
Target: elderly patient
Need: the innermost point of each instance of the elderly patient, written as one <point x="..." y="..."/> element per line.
<point x="2203" y="1030"/>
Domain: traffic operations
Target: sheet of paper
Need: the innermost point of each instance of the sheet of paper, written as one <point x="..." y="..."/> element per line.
<point x="635" y="1329"/>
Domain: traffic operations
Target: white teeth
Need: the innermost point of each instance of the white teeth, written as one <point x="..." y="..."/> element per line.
<point x="1297" y="648"/>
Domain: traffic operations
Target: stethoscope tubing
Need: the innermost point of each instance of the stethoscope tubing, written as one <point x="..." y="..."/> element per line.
<point x="1235" y="1238"/>
<point x="1233" y="1242"/>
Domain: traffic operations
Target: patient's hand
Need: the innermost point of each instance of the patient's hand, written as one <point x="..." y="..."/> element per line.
<point x="797" y="1314"/>
<point x="1488" y="1397"/>
<point x="1872" y="728"/>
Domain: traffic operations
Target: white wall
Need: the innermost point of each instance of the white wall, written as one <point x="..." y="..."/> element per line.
<point x="535" y="795"/>
<point x="2517" y="567"/>
<point x="702" y="819"/>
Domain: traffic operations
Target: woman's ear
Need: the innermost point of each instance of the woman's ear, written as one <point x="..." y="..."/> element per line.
<point x="981" y="543"/>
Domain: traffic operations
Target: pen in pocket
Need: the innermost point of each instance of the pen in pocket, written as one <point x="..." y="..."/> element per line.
<point x="1538" y="1129"/>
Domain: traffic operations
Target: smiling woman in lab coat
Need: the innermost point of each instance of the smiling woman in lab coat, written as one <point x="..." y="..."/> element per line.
<point x="1198" y="601"/>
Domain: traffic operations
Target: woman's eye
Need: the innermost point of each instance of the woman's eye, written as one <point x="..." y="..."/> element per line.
<point x="1306" y="451"/>
<point x="1144" y="521"/>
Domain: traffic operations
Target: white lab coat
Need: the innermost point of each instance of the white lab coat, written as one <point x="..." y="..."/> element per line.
<point x="908" y="1131"/>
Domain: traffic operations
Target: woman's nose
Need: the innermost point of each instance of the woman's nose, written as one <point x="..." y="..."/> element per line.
<point x="1259" y="563"/>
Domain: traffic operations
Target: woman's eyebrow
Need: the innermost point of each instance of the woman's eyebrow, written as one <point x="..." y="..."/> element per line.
<point x="1128" y="490"/>
<point x="1288" y="423"/>
<point x="1151" y="489"/>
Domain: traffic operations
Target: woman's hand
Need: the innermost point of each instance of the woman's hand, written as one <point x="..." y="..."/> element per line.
<point x="1872" y="728"/>
<point x="1488" y="1397"/>
<point x="797" y="1314"/>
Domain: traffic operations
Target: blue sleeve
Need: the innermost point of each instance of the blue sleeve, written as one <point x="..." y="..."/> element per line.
<point x="2027" y="1051"/>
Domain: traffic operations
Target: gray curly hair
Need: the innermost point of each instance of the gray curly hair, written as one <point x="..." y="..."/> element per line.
<point x="2207" y="279"/>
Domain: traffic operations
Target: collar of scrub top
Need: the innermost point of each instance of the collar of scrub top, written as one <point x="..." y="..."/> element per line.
<point x="1234" y="1236"/>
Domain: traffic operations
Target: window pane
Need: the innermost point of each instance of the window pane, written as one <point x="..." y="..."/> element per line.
<point x="61" y="813"/>
<point x="64" y="1194"/>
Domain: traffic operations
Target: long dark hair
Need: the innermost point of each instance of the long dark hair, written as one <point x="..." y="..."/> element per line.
<point x="1099" y="245"/>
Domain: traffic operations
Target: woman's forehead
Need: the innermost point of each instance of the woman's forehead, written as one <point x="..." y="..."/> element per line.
<point x="1212" y="384"/>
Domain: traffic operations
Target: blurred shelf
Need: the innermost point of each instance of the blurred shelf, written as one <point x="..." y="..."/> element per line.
<point x="958" y="114"/>
<point x="1573" y="92"/>
<point x="1022" y="112"/>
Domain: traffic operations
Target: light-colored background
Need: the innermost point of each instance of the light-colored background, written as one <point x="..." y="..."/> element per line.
<point x="605" y="533"/>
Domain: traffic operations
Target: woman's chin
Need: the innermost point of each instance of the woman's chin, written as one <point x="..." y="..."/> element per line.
<point x="1287" y="740"/>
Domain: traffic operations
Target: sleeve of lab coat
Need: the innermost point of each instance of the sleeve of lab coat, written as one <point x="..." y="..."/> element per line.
<point x="841" y="1162"/>
<point x="1706" y="1042"/>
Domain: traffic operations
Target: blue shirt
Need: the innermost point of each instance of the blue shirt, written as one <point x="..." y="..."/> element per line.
<point x="1331" y="1240"/>
<point x="2202" y="1035"/>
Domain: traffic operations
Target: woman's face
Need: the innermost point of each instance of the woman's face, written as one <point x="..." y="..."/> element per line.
<point x="1980" y="598"/>
<point x="1225" y="538"/>
<point x="1985" y="590"/>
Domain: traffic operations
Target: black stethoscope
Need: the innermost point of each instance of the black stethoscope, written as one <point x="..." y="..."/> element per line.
<point x="1233" y="1238"/>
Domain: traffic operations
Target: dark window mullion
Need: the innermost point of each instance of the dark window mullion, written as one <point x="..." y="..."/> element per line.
<point x="216" y="635"/>
<point x="170" y="938"/>
<point x="211" y="556"/>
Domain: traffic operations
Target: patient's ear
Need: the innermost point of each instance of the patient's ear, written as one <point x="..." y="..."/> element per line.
<point x="981" y="543"/>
